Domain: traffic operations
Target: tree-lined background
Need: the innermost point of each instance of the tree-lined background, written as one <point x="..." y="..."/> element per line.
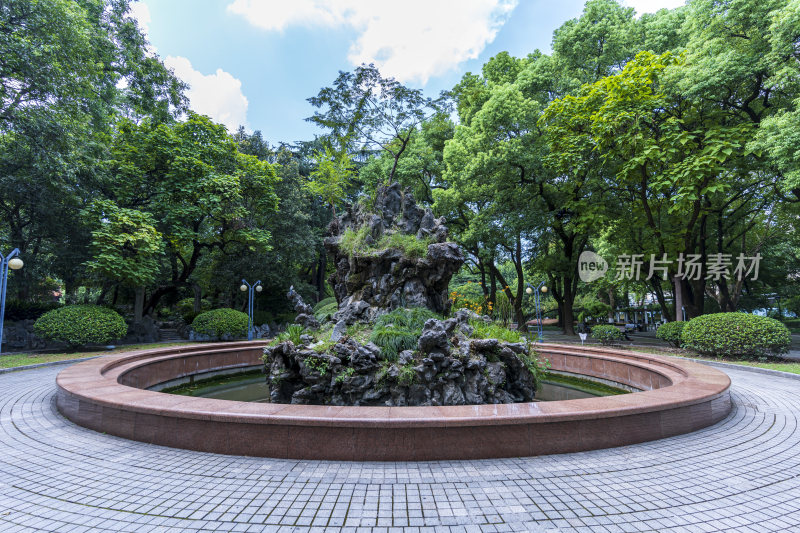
<point x="675" y="132"/>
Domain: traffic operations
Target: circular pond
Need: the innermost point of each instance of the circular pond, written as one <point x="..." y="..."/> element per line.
<point x="109" y="394"/>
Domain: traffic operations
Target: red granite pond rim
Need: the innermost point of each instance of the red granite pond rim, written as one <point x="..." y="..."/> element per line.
<point x="107" y="394"/>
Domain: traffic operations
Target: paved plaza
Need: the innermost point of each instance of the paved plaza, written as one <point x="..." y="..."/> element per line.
<point x="742" y="474"/>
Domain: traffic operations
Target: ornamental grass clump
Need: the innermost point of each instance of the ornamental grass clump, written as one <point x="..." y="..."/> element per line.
<point x="736" y="335"/>
<point x="78" y="325"/>
<point x="221" y="323"/>
<point x="607" y="335"/>
<point x="671" y="332"/>
<point x="400" y="330"/>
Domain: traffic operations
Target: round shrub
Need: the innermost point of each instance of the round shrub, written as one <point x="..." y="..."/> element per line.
<point x="671" y="332"/>
<point x="736" y="335"/>
<point x="77" y="325"/>
<point x="607" y="335"/>
<point x="221" y="323"/>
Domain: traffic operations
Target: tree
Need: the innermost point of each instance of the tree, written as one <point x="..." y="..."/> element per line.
<point x="203" y="192"/>
<point x="364" y="111"/>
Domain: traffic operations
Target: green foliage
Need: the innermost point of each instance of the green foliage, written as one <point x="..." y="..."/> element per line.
<point x="482" y="330"/>
<point x="293" y="333"/>
<point x="355" y="243"/>
<point x="410" y="245"/>
<point x="536" y="366"/>
<point x="671" y="332"/>
<point x="504" y="308"/>
<point x="125" y="244"/>
<point x="407" y="375"/>
<point x="736" y="335"/>
<point x="317" y="364"/>
<point x="185" y="308"/>
<point x="606" y="334"/>
<point x="345" y="374"/>
<point x="331" y="179"/>
<point x="77" y="325"/>
<point x="22" y="310"/>
<point x="221" y="322"/>
<point x="400" y="330"/>
<point x="323" y="346"/>
<point x="325" y="309"/>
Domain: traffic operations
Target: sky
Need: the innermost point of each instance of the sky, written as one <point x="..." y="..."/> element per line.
<point x="255" y="62"/>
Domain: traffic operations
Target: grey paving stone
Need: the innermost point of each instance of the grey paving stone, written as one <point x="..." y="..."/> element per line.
<point x="739" y="475"/>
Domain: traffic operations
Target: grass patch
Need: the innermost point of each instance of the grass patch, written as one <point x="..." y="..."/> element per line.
<point x="354" y="243"/>
<point x="483" y="330"/>
<point x="15" y="360"/>
<point x="400" y="330"/>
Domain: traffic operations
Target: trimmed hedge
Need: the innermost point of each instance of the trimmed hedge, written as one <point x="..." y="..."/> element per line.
<point x="736" y="335"/>
<point x="671" y="332"/>
<point x="221" y="323"/>
<point x="607" y="335"/>
<point x="77" y="325"/>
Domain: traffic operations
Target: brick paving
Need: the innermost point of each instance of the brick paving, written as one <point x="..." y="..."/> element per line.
<point x="742" y="474"/>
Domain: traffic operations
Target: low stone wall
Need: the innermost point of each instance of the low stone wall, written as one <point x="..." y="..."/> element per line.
<point x="106" y="394"/>
<point x="19" y="336"/>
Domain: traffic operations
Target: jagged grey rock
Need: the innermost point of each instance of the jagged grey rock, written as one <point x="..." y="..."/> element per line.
<point x="386" y="279"/>
<point x="442" y="371"/>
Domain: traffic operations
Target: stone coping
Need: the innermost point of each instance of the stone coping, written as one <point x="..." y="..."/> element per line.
<point x="107" y="394"/>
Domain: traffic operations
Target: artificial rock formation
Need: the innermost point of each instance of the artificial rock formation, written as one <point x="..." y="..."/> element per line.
<point x="369" y="283"/>
<point x="448" y="368"/>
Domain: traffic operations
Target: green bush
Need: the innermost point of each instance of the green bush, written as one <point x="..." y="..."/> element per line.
<point x="400" y="330"/>
<point x="607" y="335"/>
<point x="671" y="332"/>
<point x="736" y="335"/>
<point x="77" y="325"/>
<point x="221" y="323"/>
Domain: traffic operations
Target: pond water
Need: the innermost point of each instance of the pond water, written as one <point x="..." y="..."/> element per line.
<point x="254" y="388"/>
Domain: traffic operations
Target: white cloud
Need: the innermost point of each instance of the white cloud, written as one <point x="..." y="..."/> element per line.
<point x="217" y="95"/>
<point x="651" y="6"/>
<point x="141" y="13"/>
<point x="411" y="40"/>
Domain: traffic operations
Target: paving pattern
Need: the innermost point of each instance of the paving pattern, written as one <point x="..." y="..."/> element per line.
<point x="742" y="474"/>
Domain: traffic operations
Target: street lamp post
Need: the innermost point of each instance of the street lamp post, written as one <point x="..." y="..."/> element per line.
<point x="249" y="288"/>
<point x="14" y="263"/>
<point x="540" y="289"/>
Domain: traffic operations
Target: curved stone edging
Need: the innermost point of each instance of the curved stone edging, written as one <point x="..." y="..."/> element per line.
<point x="107" y="394"/>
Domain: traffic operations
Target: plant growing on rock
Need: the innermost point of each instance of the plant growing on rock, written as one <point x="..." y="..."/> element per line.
<point x="399" y="330"/>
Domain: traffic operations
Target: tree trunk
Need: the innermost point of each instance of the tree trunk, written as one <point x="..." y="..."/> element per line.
<point x="569" y="299"/>
<point x="613" y="303"/>
<point x="138" y="306"/>
<point x="198" y="298"/>
<point x="321" y="268"/>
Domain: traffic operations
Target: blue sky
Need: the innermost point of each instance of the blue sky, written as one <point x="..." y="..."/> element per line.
<point x="255" y="62"/>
